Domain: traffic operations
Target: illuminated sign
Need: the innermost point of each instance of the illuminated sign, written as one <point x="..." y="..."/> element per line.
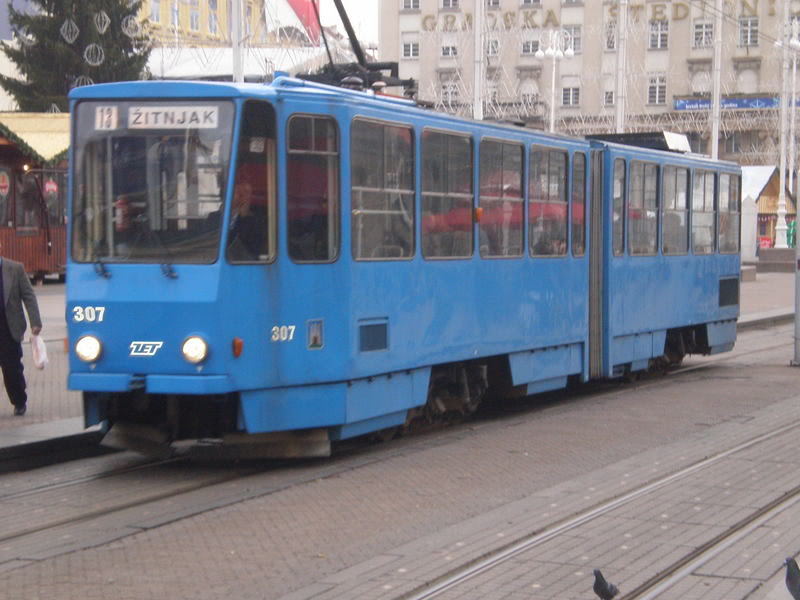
<point x="173" y="117"/>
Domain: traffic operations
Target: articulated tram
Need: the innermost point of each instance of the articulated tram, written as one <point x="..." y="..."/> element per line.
<point x="279" y="267"/>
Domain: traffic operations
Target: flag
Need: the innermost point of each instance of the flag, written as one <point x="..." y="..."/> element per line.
<point x="304" y="9"/>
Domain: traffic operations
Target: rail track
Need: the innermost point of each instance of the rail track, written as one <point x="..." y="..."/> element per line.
<point x="667" y="576"/>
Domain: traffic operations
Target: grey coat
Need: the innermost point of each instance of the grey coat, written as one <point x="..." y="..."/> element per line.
<point x="17" y="290"/>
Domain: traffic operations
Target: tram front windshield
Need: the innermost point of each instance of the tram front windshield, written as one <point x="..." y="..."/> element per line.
<point x="149" y="180"/>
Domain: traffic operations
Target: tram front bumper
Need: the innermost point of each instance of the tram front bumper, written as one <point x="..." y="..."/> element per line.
<point x="152" y="384"/>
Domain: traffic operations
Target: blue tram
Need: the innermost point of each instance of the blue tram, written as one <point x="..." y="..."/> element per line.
<point x="280" y="267"/>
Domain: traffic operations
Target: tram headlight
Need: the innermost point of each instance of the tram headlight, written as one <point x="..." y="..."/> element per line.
<point x="194" y="349"/>
<point x="88" y="348"/>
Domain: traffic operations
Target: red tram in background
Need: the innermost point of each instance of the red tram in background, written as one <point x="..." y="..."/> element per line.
<point x="33" y="230"/>
<point x="33" y="191"/>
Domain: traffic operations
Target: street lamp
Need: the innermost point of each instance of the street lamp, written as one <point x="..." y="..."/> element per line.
<point x="558" y="45"/>
<point x="780" y="225"/>
<point x="794" y="46"/>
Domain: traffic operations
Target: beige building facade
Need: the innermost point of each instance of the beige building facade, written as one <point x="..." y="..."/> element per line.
<point x="667" y="73"/>
<point x="201" y="22"/>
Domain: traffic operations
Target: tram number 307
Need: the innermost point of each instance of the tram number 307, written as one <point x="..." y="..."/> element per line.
<point x="282" y="333"/>
<point x="89" y="314"/>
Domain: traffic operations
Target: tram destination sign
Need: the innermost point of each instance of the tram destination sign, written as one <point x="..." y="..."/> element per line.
<point x="173" y="117"/>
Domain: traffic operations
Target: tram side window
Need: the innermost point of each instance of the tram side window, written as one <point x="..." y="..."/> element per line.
<point x="313" y="189"/>
<point x="382" y="181"/>
<point x="618" y="231"/>
<point x="729" y="213"/>
<point x="578" y="204"/>
<point x="501" y="199"/>
<point x="675" y="186"/>
<point x="446" y="195"/>
<point x="643" y="210"/>
<point x="251" y="232"/>
<point x="547" y="202"/>
<point x="703" y="212"/>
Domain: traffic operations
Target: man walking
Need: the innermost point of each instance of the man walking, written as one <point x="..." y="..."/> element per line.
<point x="15" y="289"/>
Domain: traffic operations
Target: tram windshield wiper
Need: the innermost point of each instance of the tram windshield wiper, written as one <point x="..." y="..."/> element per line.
<point x="166" y="267"/>
<point x="99" y="265"/>
<point x="101" y="269"/>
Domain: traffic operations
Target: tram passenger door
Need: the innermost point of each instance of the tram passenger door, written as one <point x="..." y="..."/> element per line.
<point x="596" y="249"/>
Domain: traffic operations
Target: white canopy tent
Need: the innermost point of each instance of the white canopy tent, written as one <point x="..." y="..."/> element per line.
<point x="258" y="63"/>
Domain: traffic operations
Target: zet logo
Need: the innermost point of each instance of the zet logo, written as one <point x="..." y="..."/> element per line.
<point x="145" y="348"/>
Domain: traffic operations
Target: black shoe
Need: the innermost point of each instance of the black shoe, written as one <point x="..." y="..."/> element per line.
<point x="20" y="410"/>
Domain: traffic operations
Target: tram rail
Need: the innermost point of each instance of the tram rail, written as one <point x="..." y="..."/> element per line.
<point x="665" y="578"/>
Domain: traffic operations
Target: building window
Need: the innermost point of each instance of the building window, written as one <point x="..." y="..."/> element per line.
<point x="659" y="34"/>
<point x="608" y="98"/>
<point x="410" y="4"/>
<point x="531" y="2"/>
<point x="213" y="18"/>
<point x="574" y="32"/>
<point x="703" y="35"/>
<point x="248" y="20"/>
<point x="194" y="15"/>
<point x="491" y="90"/>
<point x="155" y="11"/>
<point x="611" y="35"/>
<point x="175" y="14"/>
<point x="696" y="142"/>
<point x="657" y="89"/>
<point x="449" y="3"/>
<point x="570" y="96"/>
<point x="493" y="3"/>
<point x="411" y="50"/>
<point x="530" y="47"/>
<point x="492" y="48"/>
<point x="449" y="51"/>
<point x="738" y="142"/>
<point x="748" y="31"/>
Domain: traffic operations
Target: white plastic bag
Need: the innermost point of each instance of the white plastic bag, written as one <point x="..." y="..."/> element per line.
<point x="39" y="352"/>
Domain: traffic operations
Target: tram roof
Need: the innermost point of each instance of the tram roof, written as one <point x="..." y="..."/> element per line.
<point x="42" y="136"/>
